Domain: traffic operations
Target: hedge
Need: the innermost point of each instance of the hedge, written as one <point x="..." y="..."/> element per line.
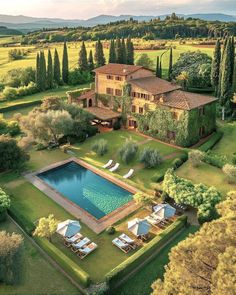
<point x="209" y="144"/>
<point x="28" y="226"/>
<point x="19" y="106"/>
<point x="115" y="275"/>
<point x="65" y="262"/>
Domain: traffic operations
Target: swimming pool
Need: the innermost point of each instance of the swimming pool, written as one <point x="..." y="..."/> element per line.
<point x="93" y="193"/>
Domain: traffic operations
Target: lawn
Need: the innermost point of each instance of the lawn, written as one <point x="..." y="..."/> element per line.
<point x="38" y="275"/>
<point x="206" y="174"/>
<point x="140" y="283"/>
<point x="33" y="204"/>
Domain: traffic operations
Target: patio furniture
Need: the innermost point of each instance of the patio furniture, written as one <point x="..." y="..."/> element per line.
<point x="158" y="218"/>
<point x="73" y="239"/>
<point x="68" y="228"/>
<point x="139" y="227"/>
<point x="164" y="211"/>
<point x="113" y="169"/>
<point x="82" y="253"/>
<point x="108" y="164"/>
<point x="123" y="237"/>
<point x="121" y="245"/>
<point x="154" y="222"/>
<point x="75" y="247"/>
<point x="129" y="174"/>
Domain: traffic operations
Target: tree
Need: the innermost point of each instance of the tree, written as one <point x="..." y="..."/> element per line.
<point x="145" y="200"/>
<point x="99" y="55"/>
<point x="11" y="156"/>
<point x="195" y="157"/>
<point x="123" y="50"/>
<point x="65" y="64"/>
<point x="119" y="53"/>
<point x="57" y="68"/>
<point x="83" y="61"/>
<point x="11" y="258"/>
<point x="112" y="52"/>
<point x="46" y="227"/>
<point x="128" y="151"/>
<point x="100" y="147"/>
<point x="51" y="103"/>
<point x="158" y="67"/>
<point x="230" y="172"/>
<point x="5" y="203"/>
<point x="130" y="51"/>
<point x="170" y="64"/>
<point x="199" y="264"/>
<point x="90" y="61"/>
<point x="19" y="77"/>
<point x="232" y="59"/>
<point x="225" y="83"/>
<point x="50" y="71"/>
<point x="182" y="79"/>
<point x="150" y="157"/>
<point x="215" y="66"/>
<point x="144" y="61"/>
<point x="42" y="72"/>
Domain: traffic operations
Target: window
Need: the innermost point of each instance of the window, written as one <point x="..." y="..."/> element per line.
<point x="109" y="77"/>
<point x="140" y="110"/>
<point x="118" y="78"/>
<point x="109" y="91"/>
<point x="133" y="109"/>
<point x="175" y="115"/>
<point x="118" y="92"/>
<point x="171" y="135"/>
<point x="202" y="131"/>
<point x="201" y="111"/>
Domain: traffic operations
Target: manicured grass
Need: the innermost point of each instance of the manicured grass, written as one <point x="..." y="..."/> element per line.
<point x="226" y="146"/>
<point x="206" y="174"/>
<point x="141" y="282"/>
<point x="23" y="111"/>
<point x="38" y="275"/>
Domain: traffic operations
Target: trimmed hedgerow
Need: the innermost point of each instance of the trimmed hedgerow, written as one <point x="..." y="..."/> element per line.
<point x="126" y="267"/>
<point x="209" y="144"/>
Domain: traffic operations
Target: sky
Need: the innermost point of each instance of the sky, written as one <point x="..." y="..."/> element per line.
<point x="83" y="9"/>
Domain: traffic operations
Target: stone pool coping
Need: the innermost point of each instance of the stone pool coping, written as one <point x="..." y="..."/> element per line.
<point x="97" y="225"/>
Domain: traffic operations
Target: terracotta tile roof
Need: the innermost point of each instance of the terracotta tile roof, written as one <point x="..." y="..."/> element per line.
<point x="103" y="114"/>
<point x="154" y="85"/>
<point x="87" y="95"/>
<point x="117" y="69"/>
<point x="185" y="100"/>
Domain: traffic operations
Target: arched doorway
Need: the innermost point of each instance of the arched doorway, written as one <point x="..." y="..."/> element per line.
<point x="90" y="103"/>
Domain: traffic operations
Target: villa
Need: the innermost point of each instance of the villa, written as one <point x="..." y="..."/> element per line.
<point x="155" y="106"/>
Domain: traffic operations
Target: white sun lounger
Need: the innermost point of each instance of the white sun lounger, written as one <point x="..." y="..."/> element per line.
<point x="113" y="169"/>
<point x="108" y="164"/>
<point x="121" y="245"/>
<point x="129" y="174"/>
<point x="154" y="222"/>
<point x="128" y="240"/>
<point x="87" y="250"/>
<point x="80" y="244"/>
<point x="73" y="239"/>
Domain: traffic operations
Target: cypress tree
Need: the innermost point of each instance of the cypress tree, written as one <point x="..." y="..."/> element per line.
<point x="57" y="68"/>
<point x="170" y="65"/>
<point x="90" y="61"/>
<point x="220" y="74"/>
<point x="130" y="51"/>
<point x="83" y="61"/>
<point x="157" y="67"/>
<point x="119" y="54"/>
<point x="225" y="83"/>
<point x="124" y="57"/>
<point x="65" y="64"/>
<point x="49" y="71"/>
<point x="112" y="52"/>
<point x="232" y="57"/>
<point x="37" y="71"/>
<point x="215" y="67"/>
<point x="43" y="72"/>
<point x="99" y="55"/>
<point x="160" y="70"/>
<point x="234" y="78"/>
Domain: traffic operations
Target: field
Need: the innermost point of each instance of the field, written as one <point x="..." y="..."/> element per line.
<point x="38" y="276"/>
<point x="73" y="52"/>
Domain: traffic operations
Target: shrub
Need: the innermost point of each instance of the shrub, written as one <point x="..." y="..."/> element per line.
<point x="91" y="130"/>
<point x="110" y="230"/>
<point x="195" y="157"/>
<point x="214" y="159"/>
<point x="100" y="147"/>
<point x="210" y="143"/>
<point x="11" y="247"/>
<point x="141" y="198"/>
<point x="116" y="125"/>
<point x="13" y="128"/>
<point x="151" y="158"/>
<point x="157" y="177"/>
<point x="176" y="163"/>
<point x="27" y="225"/>
<point x="40" y="147"/>
<point x="230" y="171"/>
<point x="234" y="160"/>
<point x="4" y="204"/>
<point x="128" y="151"/>
<point x="10" y="93"/>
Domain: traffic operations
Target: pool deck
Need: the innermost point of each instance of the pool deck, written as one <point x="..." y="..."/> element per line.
<point x="97" y="225"/>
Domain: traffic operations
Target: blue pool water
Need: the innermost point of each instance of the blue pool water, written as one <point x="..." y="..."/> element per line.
<point x="85" y="188"/>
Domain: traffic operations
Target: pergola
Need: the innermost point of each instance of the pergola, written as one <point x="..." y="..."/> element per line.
<point x="103" y="115"/>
